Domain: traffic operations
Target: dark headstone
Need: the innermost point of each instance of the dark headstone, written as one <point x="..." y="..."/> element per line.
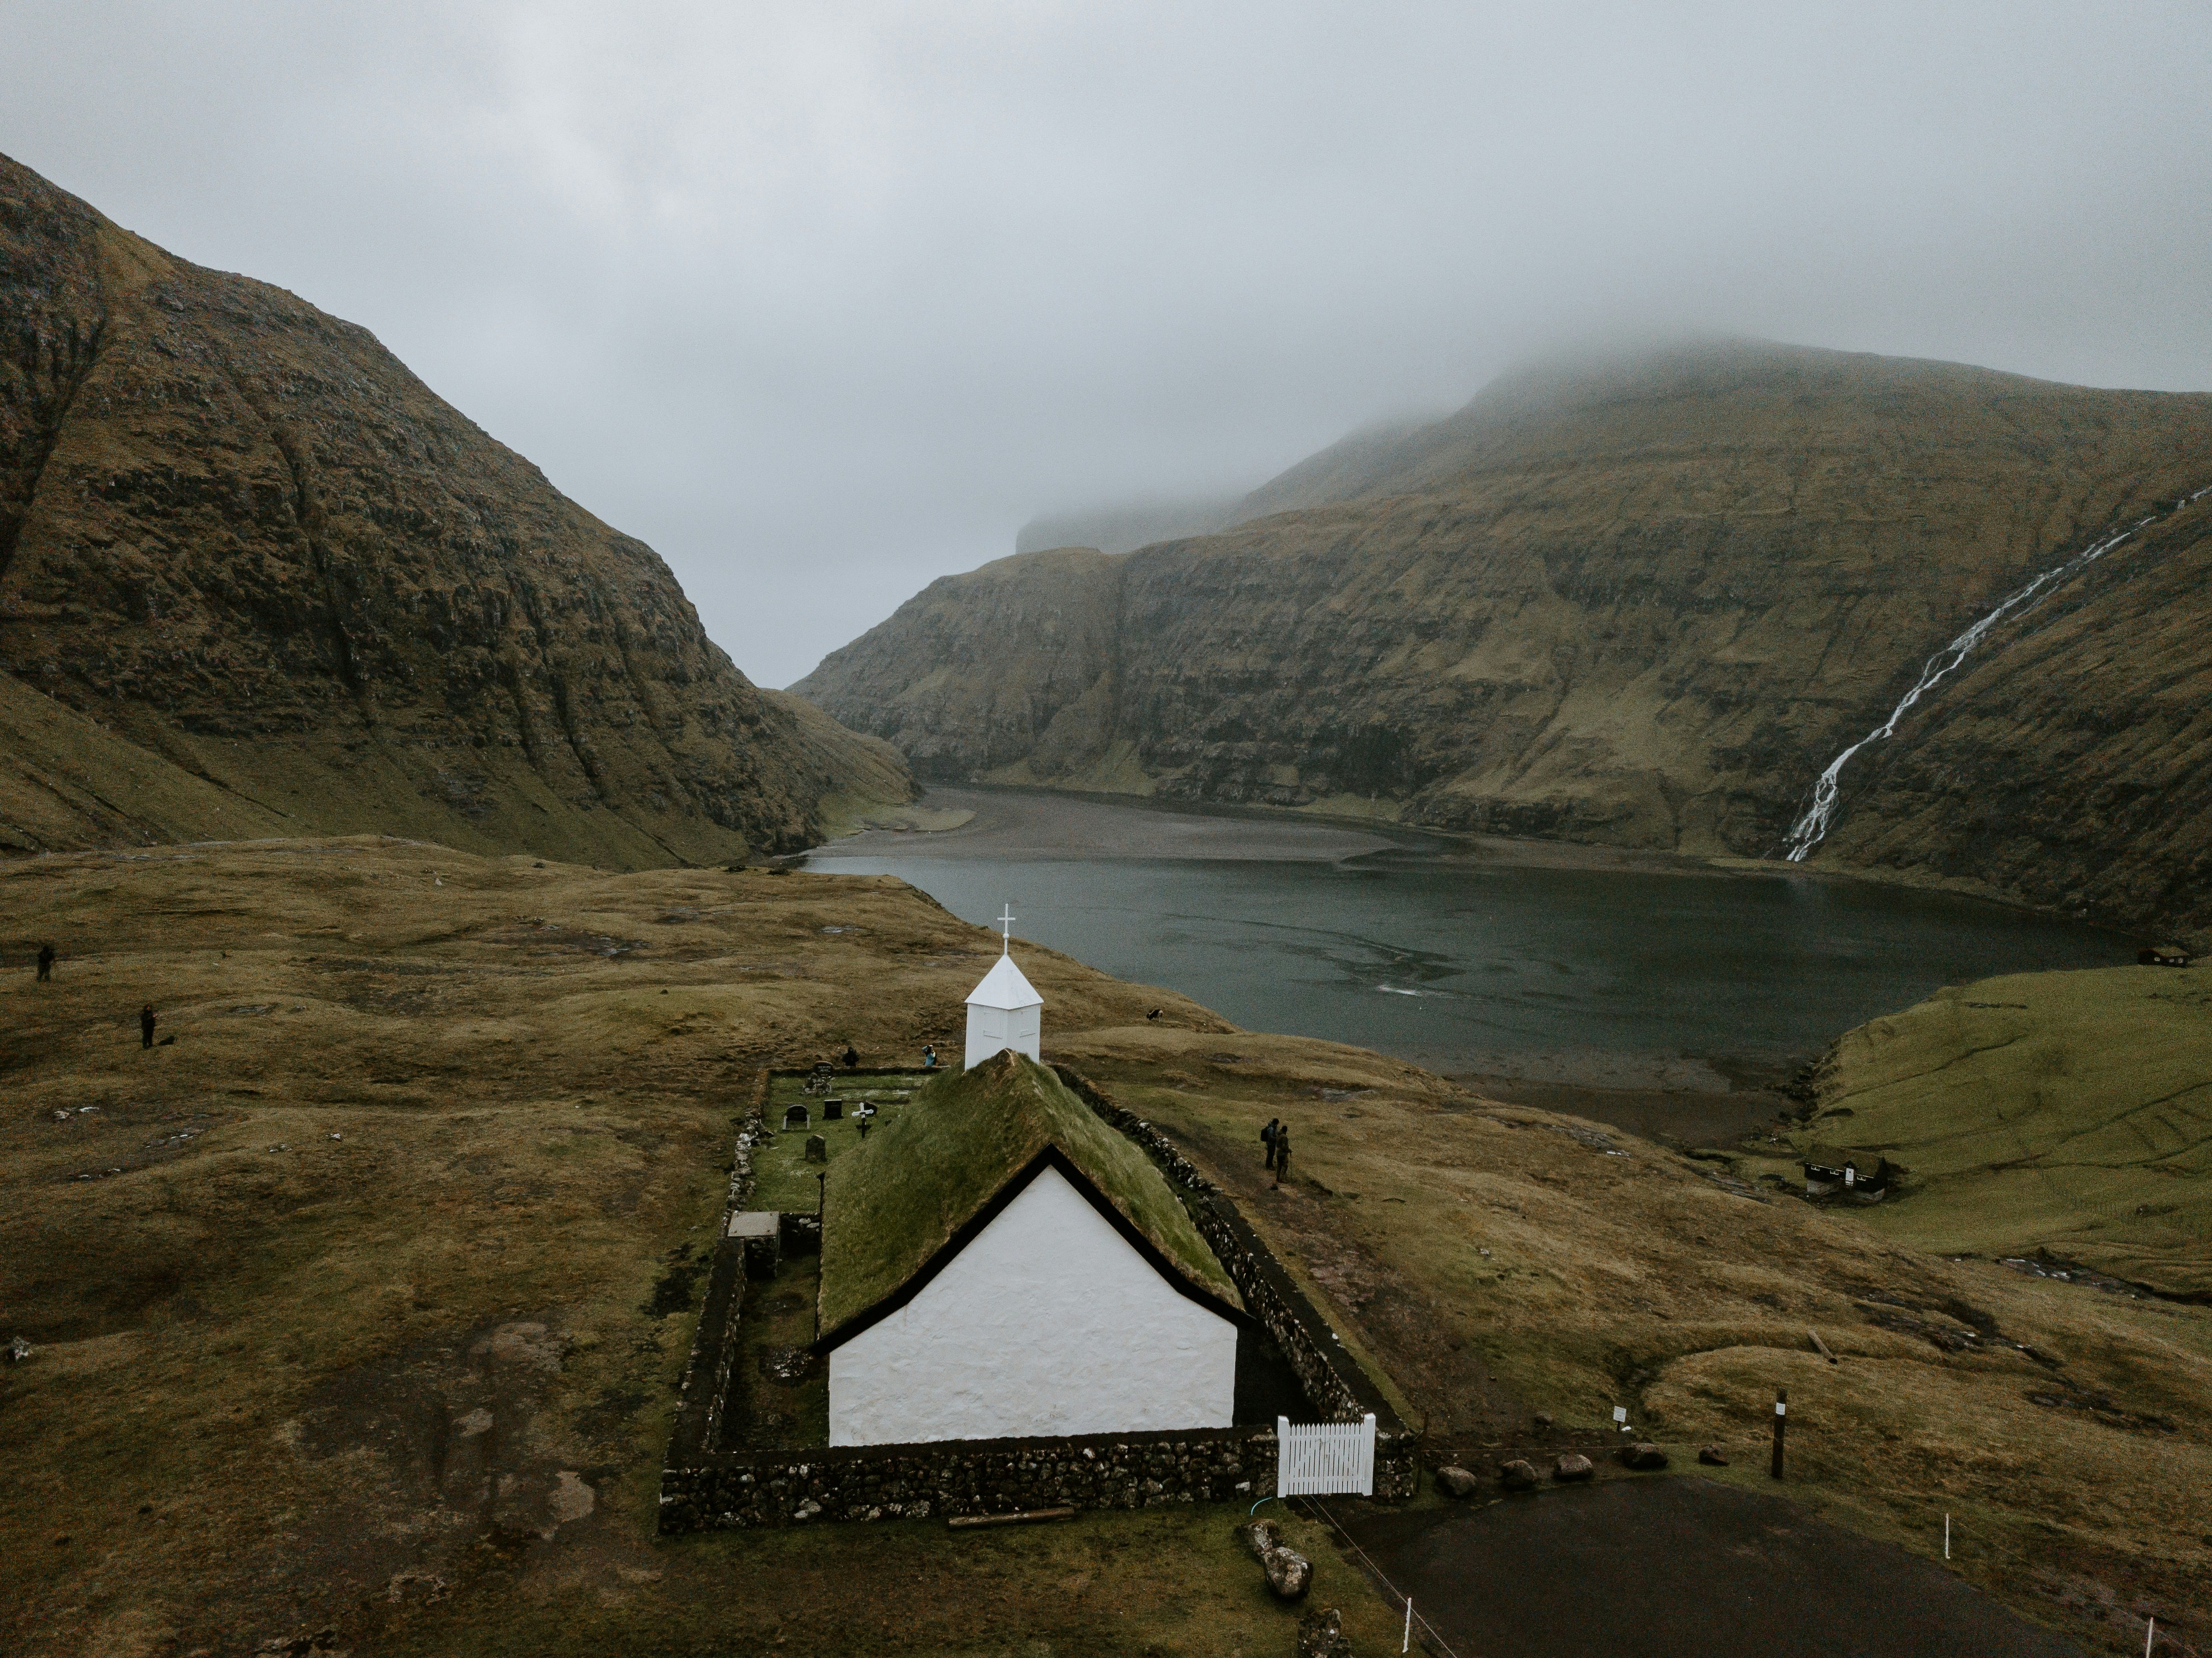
<point x="1455" y="1482"/>
<point x="1572" y="1465"/>
<point x="1643" y="1457"/>
<point x="795" y="1117"/>
<point x="1518" y="1475"/>
<point x="833" y="1111"/>
<point x="818" y="1149"/>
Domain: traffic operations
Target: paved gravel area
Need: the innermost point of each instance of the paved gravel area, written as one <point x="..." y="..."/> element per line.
<point x="1678" y="1568"/>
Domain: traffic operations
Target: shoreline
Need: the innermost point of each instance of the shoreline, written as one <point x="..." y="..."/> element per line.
<point x="1405" y="844"/>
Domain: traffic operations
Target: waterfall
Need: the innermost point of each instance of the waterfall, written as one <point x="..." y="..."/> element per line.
<point x="1809" y="830"/>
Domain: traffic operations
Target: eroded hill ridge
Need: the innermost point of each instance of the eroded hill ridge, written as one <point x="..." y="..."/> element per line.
<point x="258" y="579"/>
<point x="1644" y="605"/>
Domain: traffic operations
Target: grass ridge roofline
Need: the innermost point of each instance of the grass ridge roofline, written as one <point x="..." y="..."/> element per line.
<point x="898" y="1200"/>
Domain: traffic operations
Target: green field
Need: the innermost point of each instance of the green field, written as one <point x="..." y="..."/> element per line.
<point x="2068" y="1113"/>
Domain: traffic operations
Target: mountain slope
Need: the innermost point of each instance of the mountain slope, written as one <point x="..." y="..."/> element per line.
<point x="1123" y="528"/>
<point x="283" y="587"/>
<point x="1642" y="605"/>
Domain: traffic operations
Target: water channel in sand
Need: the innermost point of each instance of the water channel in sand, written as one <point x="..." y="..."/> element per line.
<point x="1654" y="993"/>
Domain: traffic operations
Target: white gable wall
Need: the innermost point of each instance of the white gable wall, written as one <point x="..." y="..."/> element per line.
<point x="1049" y="1322"/>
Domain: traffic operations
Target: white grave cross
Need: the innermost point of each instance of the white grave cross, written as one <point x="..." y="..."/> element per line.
<point x="1007" y="921"/>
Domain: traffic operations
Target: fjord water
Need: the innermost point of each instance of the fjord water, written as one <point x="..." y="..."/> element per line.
<point x="1473" y="963"/>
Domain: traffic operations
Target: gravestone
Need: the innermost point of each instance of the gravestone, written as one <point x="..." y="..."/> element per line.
<point x="833" y="1111"/>
<point x="795" y="1117"/>
<point x="818" y="1149"/>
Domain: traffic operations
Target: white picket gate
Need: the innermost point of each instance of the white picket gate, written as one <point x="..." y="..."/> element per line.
<point x="1325" y="1459"/>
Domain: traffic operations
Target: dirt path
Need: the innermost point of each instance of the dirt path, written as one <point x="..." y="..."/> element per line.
<point x="1677" y="1568"/>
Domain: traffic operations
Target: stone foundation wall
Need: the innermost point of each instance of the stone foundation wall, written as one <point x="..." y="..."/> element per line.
<point x="971" y="1476"/>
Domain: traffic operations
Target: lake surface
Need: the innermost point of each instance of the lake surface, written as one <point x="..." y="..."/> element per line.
<point x="1501" y="960"/>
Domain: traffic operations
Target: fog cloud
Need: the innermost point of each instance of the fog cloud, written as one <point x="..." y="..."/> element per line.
<point x="825" y="301"/>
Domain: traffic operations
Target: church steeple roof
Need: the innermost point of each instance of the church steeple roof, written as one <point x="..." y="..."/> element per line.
<point x="1005" y="985"/>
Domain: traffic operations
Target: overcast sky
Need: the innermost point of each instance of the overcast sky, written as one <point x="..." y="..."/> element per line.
<point x="825" y="301"/>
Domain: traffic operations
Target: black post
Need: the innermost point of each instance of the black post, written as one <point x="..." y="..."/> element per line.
<point x="1781" y="1421"/>
<point x="822" y="1194"/>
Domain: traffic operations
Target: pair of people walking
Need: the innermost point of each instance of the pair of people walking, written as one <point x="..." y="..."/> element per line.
<point x="1276" y="1137"/>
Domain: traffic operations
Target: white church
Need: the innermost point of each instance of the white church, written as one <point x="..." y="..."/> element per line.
<point x="998" y="1262"/>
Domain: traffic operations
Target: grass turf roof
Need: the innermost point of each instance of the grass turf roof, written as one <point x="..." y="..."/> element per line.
<point x="896" y="1200"/>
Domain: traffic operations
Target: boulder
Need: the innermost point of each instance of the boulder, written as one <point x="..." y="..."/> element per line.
<point x="1572" y="1465"/>
<point x="1713" y="1457"/>
<point x="1321" y="1635"/>
<point x="1259" y="1536"/>
<point x="1643" y="1457"/>
<point x="19" y="1349"/>
<point x="1455" y="1482"/>
<point x="1290" y="1574"/>
<point x="1543" y="1419"/>
<point x="1518" y="1475"/>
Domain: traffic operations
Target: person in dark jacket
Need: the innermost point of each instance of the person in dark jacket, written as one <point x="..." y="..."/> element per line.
<point x="1282" y="1152"/>
<point x="45" y="963"/>
<point x="146" y="1025"/>
<point x="1268" y="1137"/>
<point x="852" y="1057"/>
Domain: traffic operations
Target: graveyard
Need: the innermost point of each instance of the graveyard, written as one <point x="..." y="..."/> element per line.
<point x="366" y="1307"/>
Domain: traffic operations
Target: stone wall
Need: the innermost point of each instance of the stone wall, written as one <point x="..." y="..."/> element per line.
<point x="698" y="1423"/>
<point x="970" y="1476"/>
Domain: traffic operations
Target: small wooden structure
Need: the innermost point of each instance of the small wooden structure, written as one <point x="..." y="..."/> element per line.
<point x="2163" y="956"/>
<point x="1834" y="1171"/>
<point x="760" y="1235"/>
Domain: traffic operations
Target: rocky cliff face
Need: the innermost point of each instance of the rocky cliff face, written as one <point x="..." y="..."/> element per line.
<point x="1642" y="606"/>
<point x="255" y="577"/>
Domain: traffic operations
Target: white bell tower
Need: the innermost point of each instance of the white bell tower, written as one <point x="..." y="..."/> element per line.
<point x="1004" y="1011"/>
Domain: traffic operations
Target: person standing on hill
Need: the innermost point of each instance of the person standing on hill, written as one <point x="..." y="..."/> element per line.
<point x="146" y="1025"/>
<point x="851" y="1058"/>
<point x="928" y="1057"/>
<point x="1282" y="1153"/>
<point x="45" y="963"/>
<point x="1268" y="1137"/>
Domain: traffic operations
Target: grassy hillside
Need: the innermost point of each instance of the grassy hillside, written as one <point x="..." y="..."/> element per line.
<point x="257" y="577"/>
<point x="1642" y="605"/>
<point x="2064" y="1112"/>
<point x="361" y="1305"/>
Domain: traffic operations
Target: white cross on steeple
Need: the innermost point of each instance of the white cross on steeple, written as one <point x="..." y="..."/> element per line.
<point x="1007" y="922"/>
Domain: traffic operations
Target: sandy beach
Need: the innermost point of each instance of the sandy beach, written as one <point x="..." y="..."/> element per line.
<point x="1032" y="823"/>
